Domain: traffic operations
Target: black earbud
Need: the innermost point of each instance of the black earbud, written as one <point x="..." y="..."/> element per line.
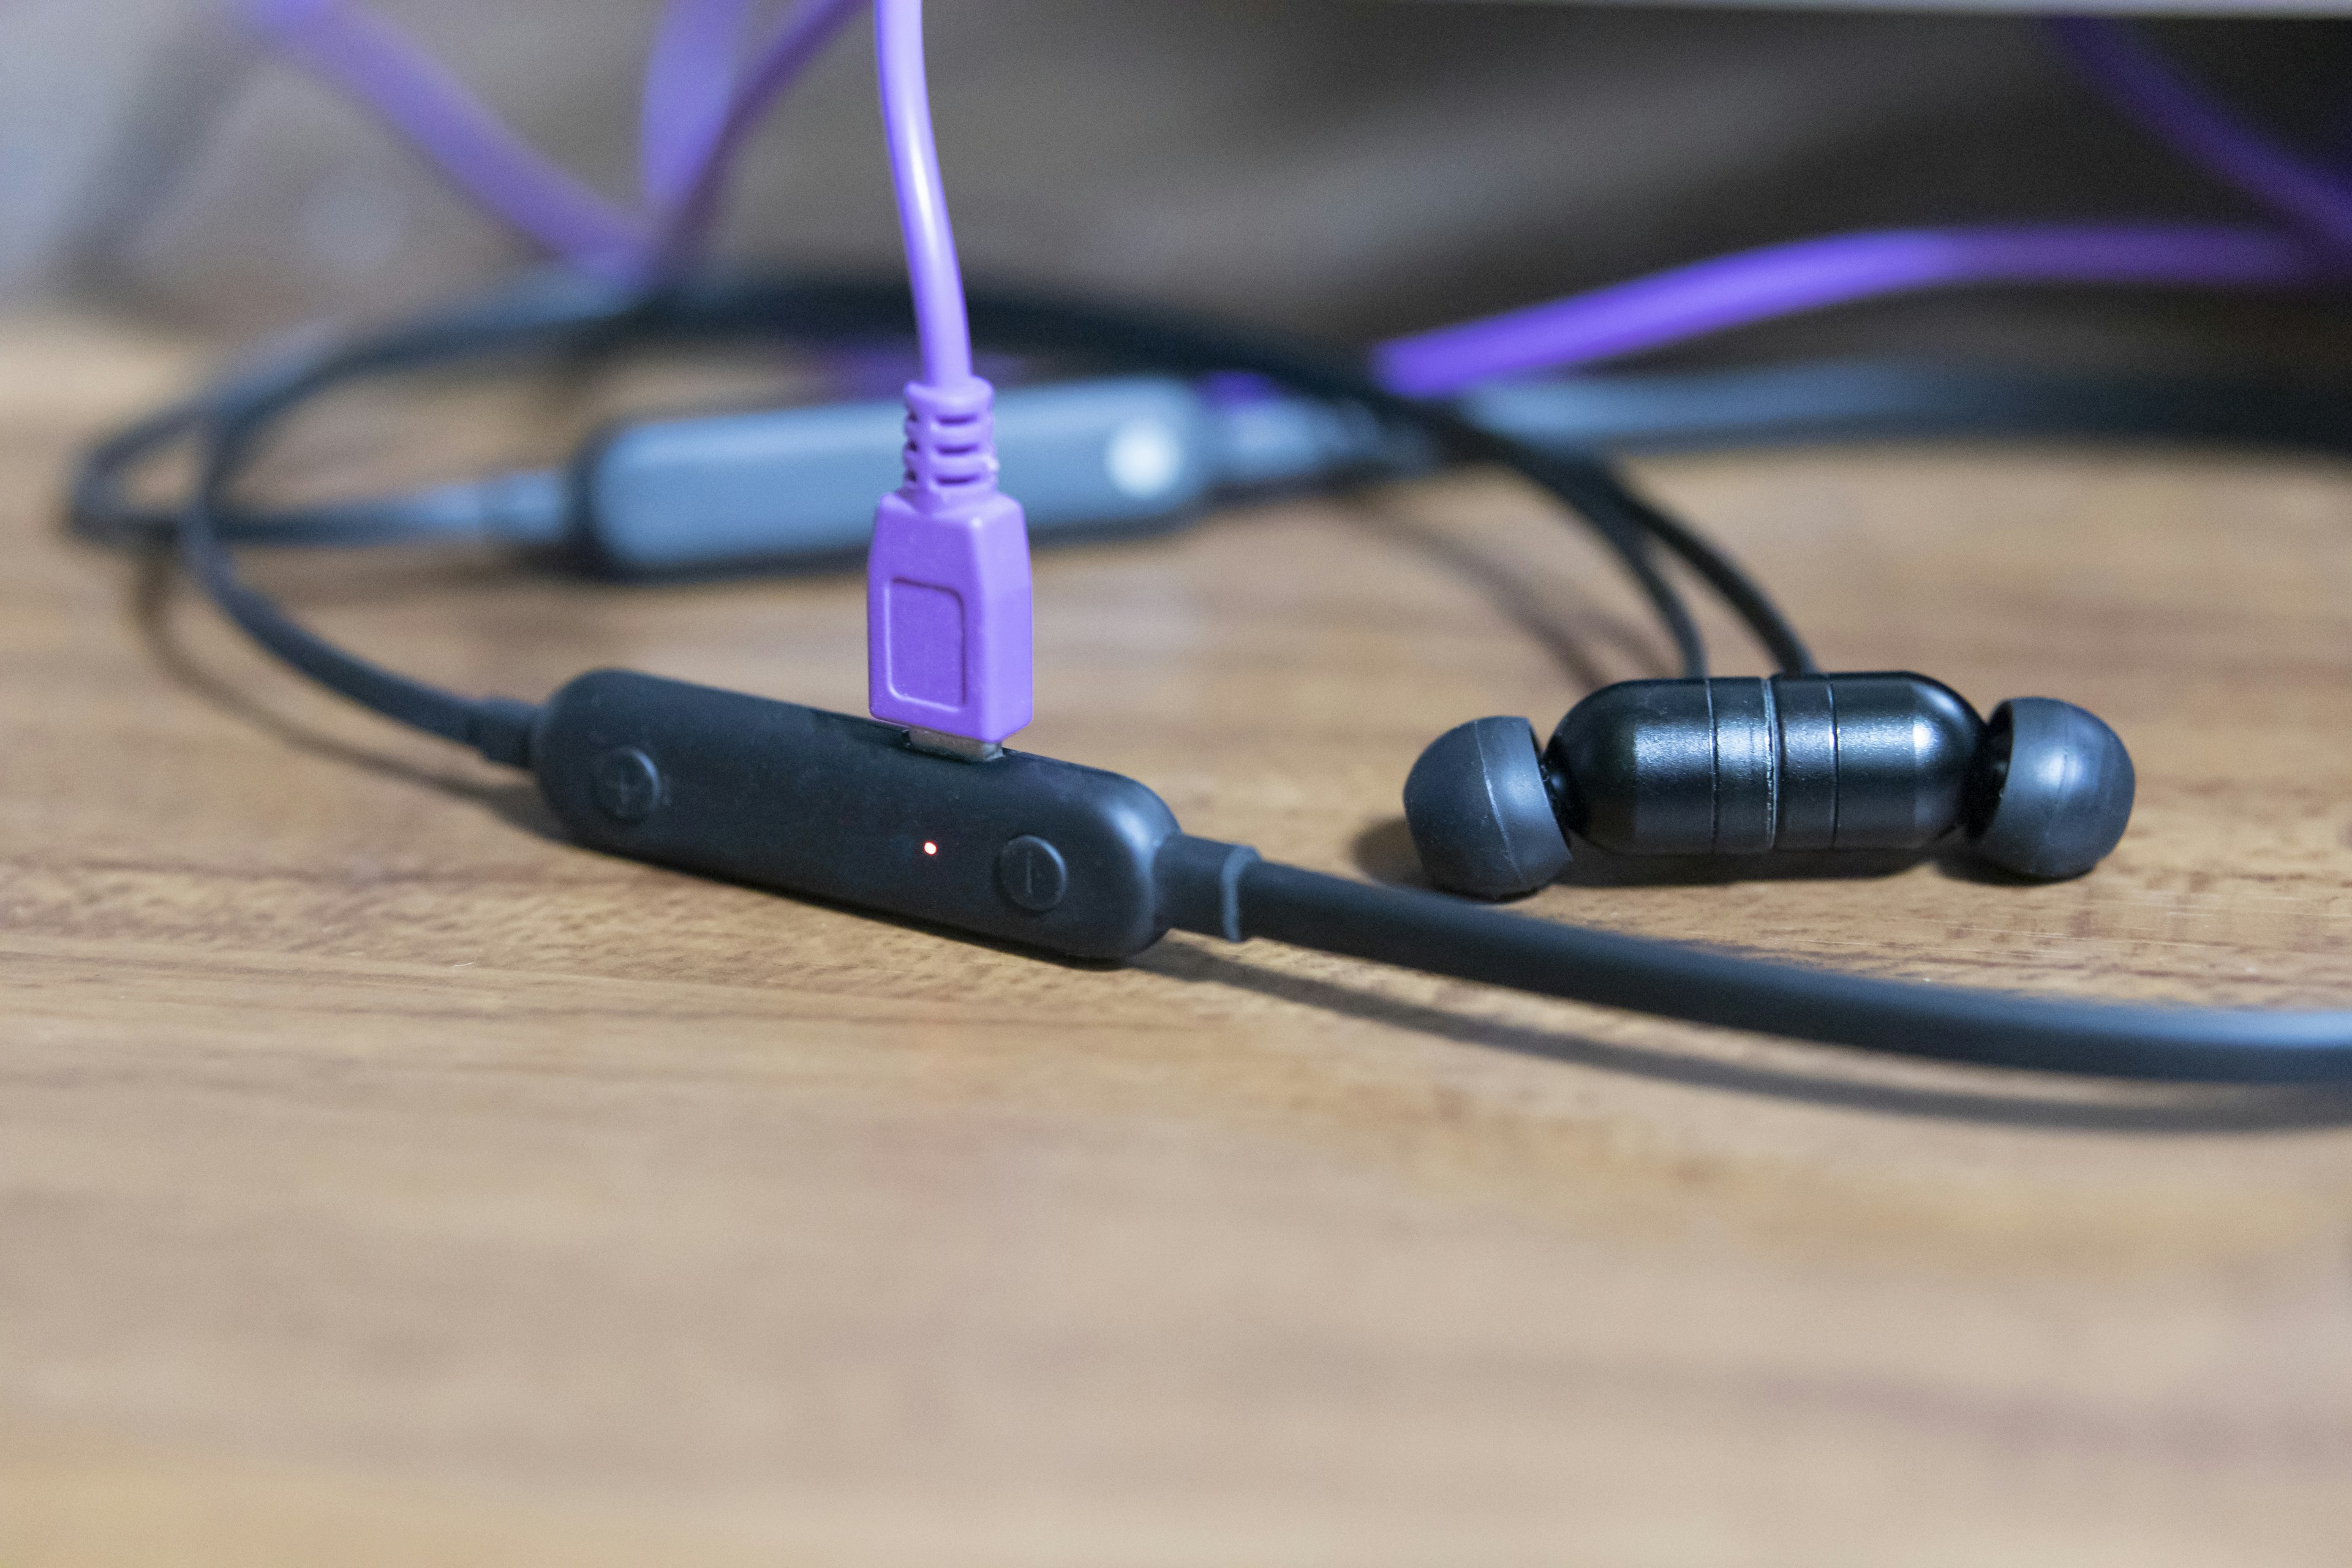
<point x="1813" y="762"/>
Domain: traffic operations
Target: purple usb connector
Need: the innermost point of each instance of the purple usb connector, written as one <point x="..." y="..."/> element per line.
<point x="947" y="580"/>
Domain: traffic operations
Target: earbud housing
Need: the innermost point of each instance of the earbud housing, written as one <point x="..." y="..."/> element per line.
<point x="1820" y="764"/>
<point x="1746" y="767"/>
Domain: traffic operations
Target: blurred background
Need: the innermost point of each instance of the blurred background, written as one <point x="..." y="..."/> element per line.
<point x="1346" y="167"/>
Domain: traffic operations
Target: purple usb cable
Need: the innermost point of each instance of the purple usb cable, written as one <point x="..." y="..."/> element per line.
<point x="1778" y="280"/>
<point x="948" y="590"/>
<point x="1764" y="284"/>
<point x="359" y="52"/>
<point x="947" y="579"/>
<point x="690" y="84"/>
<point x="2170" y="106"/>
<point x="697" y="117"/>
<point x="691" y="150"/>
<point x="696" y="121"/>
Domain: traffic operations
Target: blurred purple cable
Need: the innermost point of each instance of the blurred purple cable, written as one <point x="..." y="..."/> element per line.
<point x="698" y="114"/>
<point x="1754" y="286"/>
<point x="696" y="120"/>
<point x="370" y="60"/>
<point x="689" y="80"/>
<point x="685" y="225"/>
<point x="2170" y="106"/>
<point x="1782" y="279"/>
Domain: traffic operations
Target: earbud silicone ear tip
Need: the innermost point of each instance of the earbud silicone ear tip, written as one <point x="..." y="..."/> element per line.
<point x="1480" y="814"/>
<point x="2054" y="789"/>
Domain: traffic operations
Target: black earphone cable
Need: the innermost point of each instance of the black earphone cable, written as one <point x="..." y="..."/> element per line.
<point x="229" y="426"/>
<point x="1784" y="405"/>
<point x="1666" y="410"/>
<point x="1243" y="896"/>
<point x="231" y="419"/>
<point x="1463" y="940"/>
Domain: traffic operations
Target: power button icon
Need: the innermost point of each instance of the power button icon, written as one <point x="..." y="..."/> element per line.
<point x="1032" y="873"/>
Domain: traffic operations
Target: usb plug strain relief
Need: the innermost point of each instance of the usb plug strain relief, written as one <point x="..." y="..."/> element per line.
<point x="947" y="580"/>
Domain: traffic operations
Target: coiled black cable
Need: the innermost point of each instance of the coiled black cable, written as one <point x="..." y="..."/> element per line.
<point x="567" y="315"/>
<point x="1241" y="895"/>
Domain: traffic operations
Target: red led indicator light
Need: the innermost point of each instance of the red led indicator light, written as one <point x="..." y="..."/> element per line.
<point x="929" y="847"/>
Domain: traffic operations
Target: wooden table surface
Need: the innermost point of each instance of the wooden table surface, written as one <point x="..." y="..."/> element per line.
<point x="382" y="1181"/>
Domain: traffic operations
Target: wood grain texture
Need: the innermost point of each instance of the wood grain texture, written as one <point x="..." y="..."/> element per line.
<point x="382" y="1181"/>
